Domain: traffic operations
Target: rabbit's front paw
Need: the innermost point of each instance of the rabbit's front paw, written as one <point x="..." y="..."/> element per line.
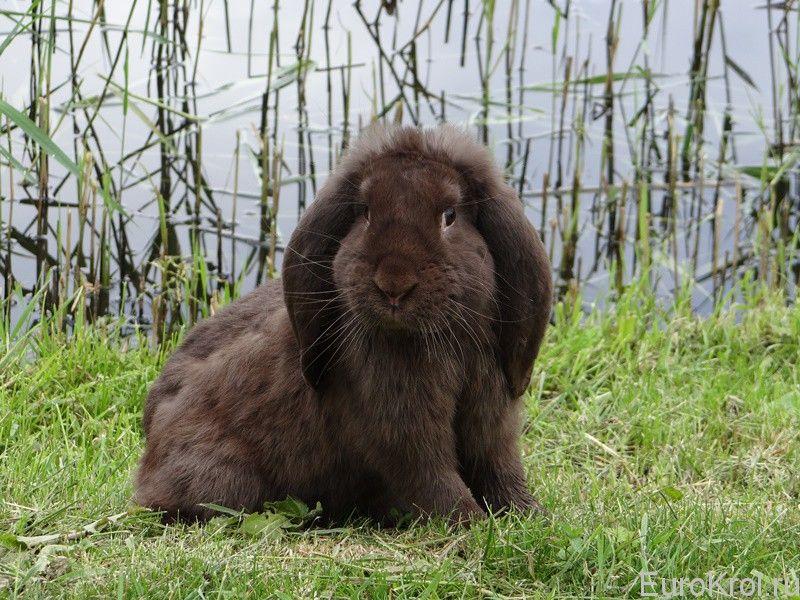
<point x="503" y="493"/>
<point x="467" y="511"/>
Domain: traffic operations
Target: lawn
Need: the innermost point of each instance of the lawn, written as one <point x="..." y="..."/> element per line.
<point x="659" y="442"/>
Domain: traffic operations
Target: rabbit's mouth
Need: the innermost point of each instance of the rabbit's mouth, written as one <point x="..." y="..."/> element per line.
<point x="395" y="317"/>
<point x="393" y="313"/>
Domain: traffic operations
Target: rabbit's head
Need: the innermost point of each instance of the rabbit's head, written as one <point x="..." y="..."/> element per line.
<point x="413" y="258"/>
<point x="416" y="232"/>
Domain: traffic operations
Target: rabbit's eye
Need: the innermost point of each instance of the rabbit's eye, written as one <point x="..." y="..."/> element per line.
<point x="448" y="217"/>
<point x="365" y="212"/>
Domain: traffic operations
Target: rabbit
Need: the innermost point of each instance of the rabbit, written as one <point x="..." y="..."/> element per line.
<point x="382" y="374"/>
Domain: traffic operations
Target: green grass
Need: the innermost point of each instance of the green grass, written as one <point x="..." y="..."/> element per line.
<point x="658" y="441"/>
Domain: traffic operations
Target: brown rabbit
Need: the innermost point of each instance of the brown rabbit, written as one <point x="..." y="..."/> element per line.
<point x="383" y="372"/>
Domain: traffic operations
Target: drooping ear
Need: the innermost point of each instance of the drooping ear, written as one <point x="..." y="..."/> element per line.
<point x="308" y="287"/>
<point x="523" y="282"/>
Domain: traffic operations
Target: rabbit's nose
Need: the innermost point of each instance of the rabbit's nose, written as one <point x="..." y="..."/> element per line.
<point x="395" y="286"/>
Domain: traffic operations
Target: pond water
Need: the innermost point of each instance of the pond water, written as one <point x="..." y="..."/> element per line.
<point x="168" y="98"/>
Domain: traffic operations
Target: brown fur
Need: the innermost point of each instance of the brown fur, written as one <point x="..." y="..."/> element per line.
<point x="318" y="388"/>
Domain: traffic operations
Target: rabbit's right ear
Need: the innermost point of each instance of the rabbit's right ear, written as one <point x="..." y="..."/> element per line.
<point x="308" y="287"/>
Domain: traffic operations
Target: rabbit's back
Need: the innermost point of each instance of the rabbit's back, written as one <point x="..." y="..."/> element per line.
<point x="230" y="420"/>
<point x="251" y="314"/>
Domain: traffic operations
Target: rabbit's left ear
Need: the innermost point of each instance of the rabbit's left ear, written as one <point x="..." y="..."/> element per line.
<point x="308" y="287"/>
<point x="523" y="283"/>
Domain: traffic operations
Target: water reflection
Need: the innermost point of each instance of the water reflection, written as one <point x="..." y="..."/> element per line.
<point x="635" y="133"/>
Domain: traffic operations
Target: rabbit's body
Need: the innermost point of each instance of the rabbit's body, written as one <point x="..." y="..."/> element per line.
<point x="385" y="376"/>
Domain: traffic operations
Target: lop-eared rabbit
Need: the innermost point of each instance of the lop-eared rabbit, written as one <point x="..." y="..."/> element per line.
<point x="382" y="374"/>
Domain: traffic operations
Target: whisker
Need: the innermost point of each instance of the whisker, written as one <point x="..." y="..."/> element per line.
<point x="319" y="337"/>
